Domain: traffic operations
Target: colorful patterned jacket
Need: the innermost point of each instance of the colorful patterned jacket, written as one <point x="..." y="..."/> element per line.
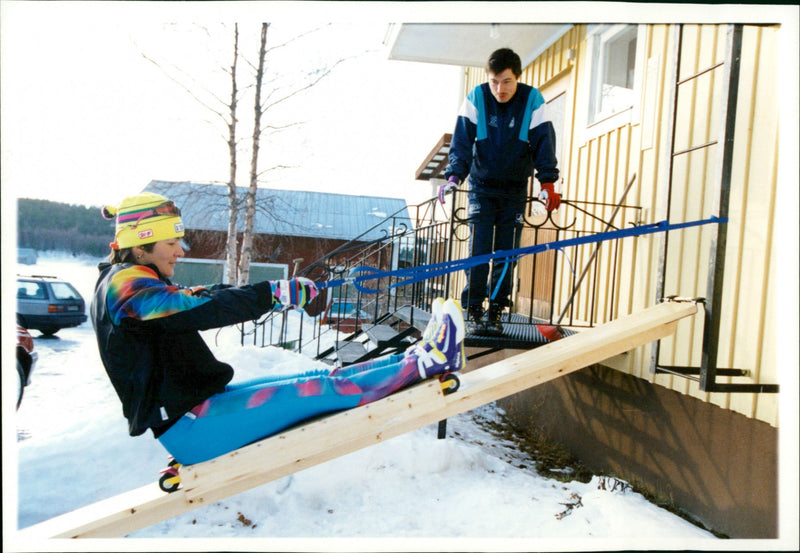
<point x="497" y="144"/>
<point x="147" y="333"/>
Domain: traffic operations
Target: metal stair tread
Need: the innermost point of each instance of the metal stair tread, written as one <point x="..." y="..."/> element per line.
<point x="519" y="332"/>
<point x="348" y="351"/>
<point x="381" y="334"/>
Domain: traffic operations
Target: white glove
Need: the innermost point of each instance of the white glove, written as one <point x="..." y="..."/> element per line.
<point x="451" y="184"/>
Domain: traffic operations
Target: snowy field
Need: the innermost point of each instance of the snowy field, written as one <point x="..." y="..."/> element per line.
<point x="471" y="491"/>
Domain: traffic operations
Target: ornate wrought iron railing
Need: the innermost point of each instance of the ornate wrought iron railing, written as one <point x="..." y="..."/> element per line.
<point x="569" y="288"/>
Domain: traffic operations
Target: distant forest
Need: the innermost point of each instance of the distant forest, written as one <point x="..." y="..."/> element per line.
<point x="44" y="225"/>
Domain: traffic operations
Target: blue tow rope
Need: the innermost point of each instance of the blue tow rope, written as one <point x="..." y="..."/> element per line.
<point x="412" y="275"/>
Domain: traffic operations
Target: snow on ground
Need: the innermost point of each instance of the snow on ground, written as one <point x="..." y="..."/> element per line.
<point x="74" y="449"/>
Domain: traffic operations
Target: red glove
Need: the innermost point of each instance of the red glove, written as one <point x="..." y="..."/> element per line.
<point x="548" y="195"/>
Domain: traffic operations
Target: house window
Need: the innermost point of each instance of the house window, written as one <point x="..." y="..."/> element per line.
<point x="613" y="71"/>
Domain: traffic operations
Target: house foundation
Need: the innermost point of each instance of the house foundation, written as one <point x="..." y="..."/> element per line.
<point x="716" y="465"/>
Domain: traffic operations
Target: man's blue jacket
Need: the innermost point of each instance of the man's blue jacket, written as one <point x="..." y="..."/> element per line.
<point x="499" y="143"/>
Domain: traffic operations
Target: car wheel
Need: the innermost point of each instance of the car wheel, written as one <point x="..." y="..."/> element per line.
<point x="20" y="383"/>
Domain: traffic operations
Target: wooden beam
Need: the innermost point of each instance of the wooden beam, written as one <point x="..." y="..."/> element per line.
<point x="441" y="145"/>
<point x="315" y="442"/>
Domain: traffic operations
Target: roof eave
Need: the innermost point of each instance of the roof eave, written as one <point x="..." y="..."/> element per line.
<point x="469" y="44"/>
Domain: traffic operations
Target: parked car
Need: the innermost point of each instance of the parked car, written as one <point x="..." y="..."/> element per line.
<point x="26" y="359"/>
<point x="48" y="304"/>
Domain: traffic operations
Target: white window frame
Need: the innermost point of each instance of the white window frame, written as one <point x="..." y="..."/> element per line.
<point x="224" y="264"/>
<point x="598" y="122"/>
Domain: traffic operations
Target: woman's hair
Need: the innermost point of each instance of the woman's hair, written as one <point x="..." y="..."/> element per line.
<point x="502" y="59"/>
<point x="126" y="255"/>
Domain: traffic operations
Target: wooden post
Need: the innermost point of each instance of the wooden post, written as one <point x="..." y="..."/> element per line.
<point x="336" y="435"/>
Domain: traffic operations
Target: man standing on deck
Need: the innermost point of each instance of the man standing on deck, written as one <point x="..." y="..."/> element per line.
<point x="502" y="134"/>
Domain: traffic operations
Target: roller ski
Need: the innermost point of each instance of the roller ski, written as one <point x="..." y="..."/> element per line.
<point x="441" y="351"/>
<point x="170" y="479"/>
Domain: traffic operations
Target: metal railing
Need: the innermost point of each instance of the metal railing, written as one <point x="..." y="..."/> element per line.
<point x="431" y="233"/>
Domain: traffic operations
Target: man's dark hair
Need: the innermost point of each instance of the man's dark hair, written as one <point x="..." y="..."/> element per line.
<point x="502" y="59"/>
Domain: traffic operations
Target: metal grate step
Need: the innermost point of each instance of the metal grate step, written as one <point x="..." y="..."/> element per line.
<point x="519" y="332"/>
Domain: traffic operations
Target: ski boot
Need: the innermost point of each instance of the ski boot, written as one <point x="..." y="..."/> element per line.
<point x="475" y="323"/>
<point x="493" y="325"/>
<point x="170" y="479"/>
<point x="436" y="318"/>
<point x="444" y="353"/>
<point x="449" y="380"/>
<point x="453" y="310"/>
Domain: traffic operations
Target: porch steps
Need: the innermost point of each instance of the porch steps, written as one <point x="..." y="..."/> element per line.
<point x="349" y="352"/>
<point x="384" y="338"/>
<point x="519" y="331"/>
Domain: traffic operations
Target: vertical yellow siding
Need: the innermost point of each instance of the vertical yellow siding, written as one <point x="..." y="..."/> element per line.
<point x="747" y="305"/>
<point x="597" y="169"/>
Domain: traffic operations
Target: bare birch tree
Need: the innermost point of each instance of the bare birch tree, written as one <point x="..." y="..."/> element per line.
<point x="250" y="198"/>
<point x="259" y="108"/>
<point x="226" y="113"/>
<point x="233" y="201"/>
<point x="238" y="260"/>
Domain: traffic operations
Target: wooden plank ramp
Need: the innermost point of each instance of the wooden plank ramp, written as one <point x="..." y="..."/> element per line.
<point x="321" y="440"/>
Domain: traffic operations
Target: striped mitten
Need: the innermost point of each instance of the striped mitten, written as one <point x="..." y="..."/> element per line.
<point x="297" y="292"/>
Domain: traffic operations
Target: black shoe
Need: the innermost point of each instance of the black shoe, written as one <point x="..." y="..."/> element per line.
<point x="475" y="323"/>
<point x="493" y="324"/>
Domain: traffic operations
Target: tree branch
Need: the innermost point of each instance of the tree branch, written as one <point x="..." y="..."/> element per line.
<point x="189" y="90"/>
<point x="324" y="74"/>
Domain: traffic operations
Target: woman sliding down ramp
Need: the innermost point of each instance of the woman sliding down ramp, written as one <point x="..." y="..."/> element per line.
<point x="258" y="408"/>
<point x="169" y="381"/>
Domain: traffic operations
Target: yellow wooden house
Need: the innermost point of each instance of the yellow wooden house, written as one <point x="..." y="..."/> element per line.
<point x="673" y="122"/>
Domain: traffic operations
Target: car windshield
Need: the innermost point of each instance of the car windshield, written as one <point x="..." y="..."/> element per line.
<point x="64" y="291"/>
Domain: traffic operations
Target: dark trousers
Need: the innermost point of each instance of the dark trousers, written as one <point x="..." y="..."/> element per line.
<point x="495" y="217"/>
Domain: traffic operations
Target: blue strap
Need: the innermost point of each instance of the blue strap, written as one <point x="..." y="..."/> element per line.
<point x="500" y="281"/>
<point x="412" y="275"/>
<point x="566" y="258"/>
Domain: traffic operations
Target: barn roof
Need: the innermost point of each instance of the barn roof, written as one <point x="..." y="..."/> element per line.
<point x="286" y="212"/>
